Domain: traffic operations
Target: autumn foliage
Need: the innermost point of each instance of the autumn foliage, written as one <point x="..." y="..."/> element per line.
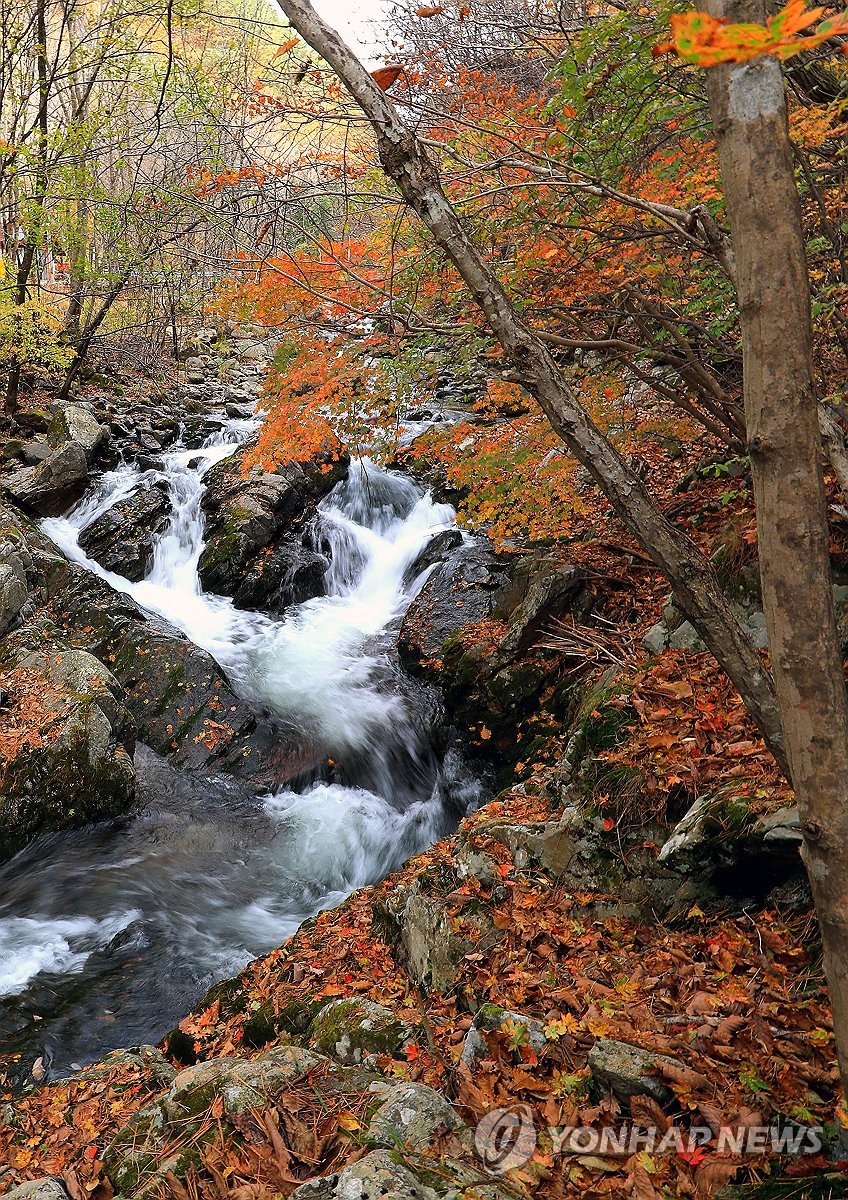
<point x="707" y="41"/>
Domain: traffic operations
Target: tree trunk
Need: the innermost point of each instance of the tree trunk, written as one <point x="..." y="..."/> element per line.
<point x="693" y="581"/>
<point x="749" y="113"/>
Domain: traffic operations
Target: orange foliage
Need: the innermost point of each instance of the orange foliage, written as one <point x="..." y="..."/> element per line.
<point x="707" y="41"/>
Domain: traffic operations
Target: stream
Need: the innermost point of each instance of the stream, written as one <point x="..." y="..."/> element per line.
<point x="109" y="934"/>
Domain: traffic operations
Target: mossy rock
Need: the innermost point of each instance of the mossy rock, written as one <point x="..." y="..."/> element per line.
<point x="195" y="1088"/>
<point x="354" y="1030"/>
<point x="133" y="1155"/>
<point x="261" y="1027"/>
<point x="295" y="1017"/>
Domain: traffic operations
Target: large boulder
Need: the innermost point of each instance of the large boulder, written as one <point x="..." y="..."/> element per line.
<point x="74" y="423"/>
<point x="462" y="591"/>
<point x="50" y="489"/>
<point x="71" y="756"/>
<point x="258" y="545"/>
<point x="123" y="539"/>
<point x="177" y="694"/>
<point x="477" y="628"/>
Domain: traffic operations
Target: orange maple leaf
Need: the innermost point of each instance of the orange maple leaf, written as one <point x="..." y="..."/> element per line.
<point x="384" y="77"/>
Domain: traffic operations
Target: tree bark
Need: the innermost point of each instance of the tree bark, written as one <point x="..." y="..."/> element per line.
<point x="749" y="114"/>
<point x="693" y="581"/>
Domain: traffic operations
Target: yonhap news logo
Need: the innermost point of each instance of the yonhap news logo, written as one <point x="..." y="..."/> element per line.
<point x="506" y="1138"/>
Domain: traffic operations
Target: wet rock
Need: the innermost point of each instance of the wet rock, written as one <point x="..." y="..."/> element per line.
<point x="177" y="694"/>
<point x="493" y="676"/>
<point x="355" y="1030"/>
<point x="258" y="544"/>
<point x="415" y="1116"/>
<point x="375" y="1177"/>
<point x="461" y="591"/>
<point x="74" y="424"/>
<point x="629" y="1071"/>
<point x="437" y="550"/>
<point x="81" y="767"/>
<point x="48" y="1188"/>
<point x="50" y="489"/>
<point x="124" y="538"/>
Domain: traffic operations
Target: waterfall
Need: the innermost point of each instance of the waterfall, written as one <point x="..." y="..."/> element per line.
<point x="205" y="877"/>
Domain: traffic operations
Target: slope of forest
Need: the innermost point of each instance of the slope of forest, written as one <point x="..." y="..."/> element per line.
<point x="393" y="475"/>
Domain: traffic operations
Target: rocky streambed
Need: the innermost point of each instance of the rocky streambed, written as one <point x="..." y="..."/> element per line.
<point x="214" y="736"/>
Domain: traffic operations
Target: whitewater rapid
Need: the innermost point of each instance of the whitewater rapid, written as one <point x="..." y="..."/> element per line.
<point x="112" y="932"/>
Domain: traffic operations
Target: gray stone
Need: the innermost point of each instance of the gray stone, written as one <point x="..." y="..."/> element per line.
<point x="629" y="1071"/>
<point x="547" y="596"/>
<point x="195" y="1088"/>
<point x="415" y="1116"/>
<point x="375" y="1177"/>
<point x="491" y="1017"/>
<point x="461" y="592"/>
<point x="48" y="1188"/>
<point x="656" y="639"/>
<point x="51" y="488"/>
<point x="355" y="1030"/>
<point x="123" y="539"/>
<point x="550" y="845"/>
<point x="75" y="424"/>
<point x="35" y="453"/>
<point x="425" y="939"/>
<point x="686" y="637"/>
<point x="688" y="832"/>
<point x="781" y="826"/>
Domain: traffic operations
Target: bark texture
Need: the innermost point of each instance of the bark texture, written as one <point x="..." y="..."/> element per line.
<point x="784" y="439"/>
<point x="693" y="581"/>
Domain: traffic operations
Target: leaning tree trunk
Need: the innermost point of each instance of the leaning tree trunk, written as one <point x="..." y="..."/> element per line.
<point x="694" y="583"/>
<point x="749" y="113"/>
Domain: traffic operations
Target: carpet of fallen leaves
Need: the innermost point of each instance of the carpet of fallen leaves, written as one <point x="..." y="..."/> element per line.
<point x="32" y="714"/>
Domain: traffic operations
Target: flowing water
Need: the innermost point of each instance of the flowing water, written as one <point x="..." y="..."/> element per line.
<point x="108" y="935"/>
